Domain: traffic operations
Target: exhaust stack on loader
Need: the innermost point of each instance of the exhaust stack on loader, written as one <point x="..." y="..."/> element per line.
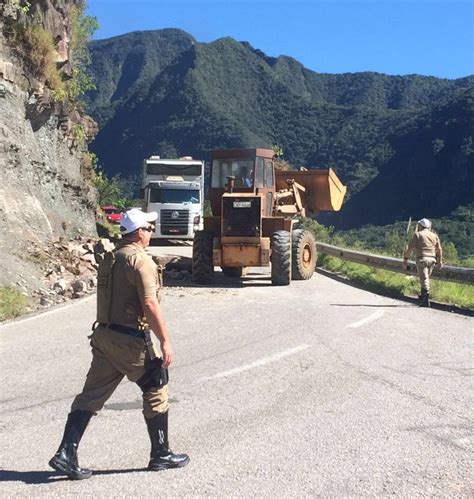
<point x="254" y="209"/>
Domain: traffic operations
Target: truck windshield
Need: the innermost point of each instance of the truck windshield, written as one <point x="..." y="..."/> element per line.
<point x="241" y="169"/>
<point x="165" y="169"/>
<point x="174" y="196"/>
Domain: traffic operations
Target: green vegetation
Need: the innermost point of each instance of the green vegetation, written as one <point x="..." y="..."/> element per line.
<point x="17" y="7"/>
<point x="456" y="232"/>
<point x="386" y="282"/>
<point x="393" y="284"/>
<point x="110" y="191"/>
<point x="322" y="233"/>
<point x="82" y="29"/>
<point x="104" y="227"/>
<point x="40" y="51"/>
<point x="402" y="145"/>
<point x="35" y="44"/>
<point x="12" y="303"/>
<point x="89" y="164"/>
<point x="392" y="243"/>
<point x="115" y="191"/>
<point x="78" y="135"/>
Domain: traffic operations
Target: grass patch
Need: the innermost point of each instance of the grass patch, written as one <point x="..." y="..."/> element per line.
<point x="40" y="51"/>
<point x="12" y="303"/>
<point x="452" y="293"/>
<point x="396" y="285"/>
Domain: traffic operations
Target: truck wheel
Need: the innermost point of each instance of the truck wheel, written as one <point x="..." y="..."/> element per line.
<point x="203" y="267"/>
<point x="303" y="249"/>
<point x="281" y="258"/>
<point x="234" y="271"/>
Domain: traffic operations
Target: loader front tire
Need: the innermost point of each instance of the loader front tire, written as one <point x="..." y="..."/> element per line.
<point x="303" y="252"/>
<point x="203" y="267"/>
<point x="281" y="258"/>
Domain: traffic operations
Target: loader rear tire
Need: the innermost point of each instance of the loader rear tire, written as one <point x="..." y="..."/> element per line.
<point x="281" y="258"/>
<point x="203" y="267"/>
<point x="303" y="252"/>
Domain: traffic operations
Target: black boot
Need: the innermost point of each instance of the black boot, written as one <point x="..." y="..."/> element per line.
<point x="65" y="459"/>
<point x="162" y="457"/>
<point x="425" y="298"/>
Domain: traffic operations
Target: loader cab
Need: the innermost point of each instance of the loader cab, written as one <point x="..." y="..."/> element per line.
<point x="253" y="174"/>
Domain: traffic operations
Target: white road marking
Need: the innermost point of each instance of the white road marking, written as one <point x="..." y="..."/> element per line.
<point x="370" y="318"/>
<point x="257" y="363"/>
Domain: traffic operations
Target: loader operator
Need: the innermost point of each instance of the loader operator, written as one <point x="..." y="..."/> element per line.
<point x="246" y="177"/>
<point x="127" y="308"/>
<point x="429" y="254"/>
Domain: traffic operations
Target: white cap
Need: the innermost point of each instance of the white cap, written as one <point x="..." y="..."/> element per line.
<point x="136" y="219"/>
<point x="424" y="222"/>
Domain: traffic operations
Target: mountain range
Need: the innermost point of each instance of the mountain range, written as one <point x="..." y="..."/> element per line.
<point x="404" y="145"/>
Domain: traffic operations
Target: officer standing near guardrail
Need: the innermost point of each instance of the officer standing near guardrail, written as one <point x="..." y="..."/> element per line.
<point x="127" y="308"/>
<point x="429" y="254"/>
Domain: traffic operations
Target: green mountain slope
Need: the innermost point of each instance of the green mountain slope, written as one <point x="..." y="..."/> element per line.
<point x="431" y="170"/>
<point x="126" y="64"/>
<point x="402" y="144"/>
<point x="362" y="89"/>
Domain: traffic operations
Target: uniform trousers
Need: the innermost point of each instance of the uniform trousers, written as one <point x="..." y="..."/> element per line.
<point x="115" y="355"/>
<point x="425" y="266"/>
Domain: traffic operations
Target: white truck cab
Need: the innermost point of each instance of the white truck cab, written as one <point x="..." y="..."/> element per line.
<point x="174" y="188"/>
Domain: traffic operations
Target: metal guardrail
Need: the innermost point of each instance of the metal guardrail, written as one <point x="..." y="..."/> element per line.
<point x="446" y="273"/>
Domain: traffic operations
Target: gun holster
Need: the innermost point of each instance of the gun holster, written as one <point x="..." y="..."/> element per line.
<point x="154" y="377"/>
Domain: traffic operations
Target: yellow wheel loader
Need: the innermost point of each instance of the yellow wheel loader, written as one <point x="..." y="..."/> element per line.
<point x="254" y="213"/>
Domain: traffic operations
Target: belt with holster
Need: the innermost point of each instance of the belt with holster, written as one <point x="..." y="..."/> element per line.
<point x="131" y="331"/>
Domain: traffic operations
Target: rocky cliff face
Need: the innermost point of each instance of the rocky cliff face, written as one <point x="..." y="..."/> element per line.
<point x="43" y="158"/>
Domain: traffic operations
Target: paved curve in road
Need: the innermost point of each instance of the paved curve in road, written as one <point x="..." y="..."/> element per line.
<point x="314" y="389"/>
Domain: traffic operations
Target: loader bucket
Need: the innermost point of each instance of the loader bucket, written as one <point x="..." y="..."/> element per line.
<point x="324" y="190"/>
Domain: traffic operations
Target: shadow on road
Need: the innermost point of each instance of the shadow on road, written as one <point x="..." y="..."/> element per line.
<point x="367" y="305"/>
<point x="408" y="299"/>
<point x="38" y="477"/>
<point x="30" y="477"/>
<point x="221" y="281"/>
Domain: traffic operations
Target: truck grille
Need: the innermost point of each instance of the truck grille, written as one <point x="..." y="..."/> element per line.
<point x="174" y="222"/>
<point x="241" y="216"/>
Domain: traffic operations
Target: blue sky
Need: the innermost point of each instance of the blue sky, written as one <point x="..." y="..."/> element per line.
<point x="429" y="37"/>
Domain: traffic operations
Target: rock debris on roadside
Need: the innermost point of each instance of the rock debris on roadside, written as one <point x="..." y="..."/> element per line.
<point x="68" y="269"/>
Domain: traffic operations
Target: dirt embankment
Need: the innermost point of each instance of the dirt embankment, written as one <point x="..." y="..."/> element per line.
<point x="44" y="193"/>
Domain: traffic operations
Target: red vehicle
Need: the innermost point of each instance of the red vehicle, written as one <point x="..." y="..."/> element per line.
<point x="112" y="213"/>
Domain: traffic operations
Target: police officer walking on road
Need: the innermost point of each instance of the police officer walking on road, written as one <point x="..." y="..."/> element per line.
<point x="128" y="311"/>
<point x="429" y="254"/>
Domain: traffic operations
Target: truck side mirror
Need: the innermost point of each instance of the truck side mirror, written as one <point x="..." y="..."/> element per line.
<point x="141" y="193"/>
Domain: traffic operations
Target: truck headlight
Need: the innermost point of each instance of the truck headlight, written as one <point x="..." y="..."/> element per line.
<point x="197" y="219"/>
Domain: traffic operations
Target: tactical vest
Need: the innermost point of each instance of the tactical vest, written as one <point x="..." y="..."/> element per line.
<point x="104" y="287"/>
<point x="117" y="300"/>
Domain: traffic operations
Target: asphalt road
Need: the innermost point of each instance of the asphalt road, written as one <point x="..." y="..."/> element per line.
<point x="316" y="389"/>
